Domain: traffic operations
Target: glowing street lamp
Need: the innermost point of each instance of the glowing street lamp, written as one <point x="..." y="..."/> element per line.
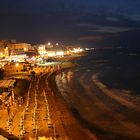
<point x="1" y="54"/>
<point x="17" y="64"/>
<point x="25" y="49"/>
<point x="49" y="43"/>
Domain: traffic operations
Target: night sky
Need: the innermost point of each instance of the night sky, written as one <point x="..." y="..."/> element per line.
<point x="69" y="21"/>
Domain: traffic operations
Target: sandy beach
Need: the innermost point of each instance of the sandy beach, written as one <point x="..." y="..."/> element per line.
<point x="65" y="115"/>
<point x="62" y="115"/>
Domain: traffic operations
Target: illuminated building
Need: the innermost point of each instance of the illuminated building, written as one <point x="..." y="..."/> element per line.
<point x="16" y="52"/>
<point x="49" y="50"/>
<point x="3" y="47"/>
<point x="18" y="48"/>
<point x="17" y="67"/>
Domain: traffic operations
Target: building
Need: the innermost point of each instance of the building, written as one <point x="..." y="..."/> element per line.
<point x="17" y="48"/>
<point x="3" y="44"/>
<point x="17" y="67"/>
<point x="16" y="52"/>
<point x="49" y="50"/>
<point x="55" y="52"/>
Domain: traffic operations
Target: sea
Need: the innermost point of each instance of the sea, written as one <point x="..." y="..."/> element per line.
<point x="119" y="71"/>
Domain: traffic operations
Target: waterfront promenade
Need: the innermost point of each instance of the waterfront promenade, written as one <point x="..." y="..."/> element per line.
<point x="43" y="112"/>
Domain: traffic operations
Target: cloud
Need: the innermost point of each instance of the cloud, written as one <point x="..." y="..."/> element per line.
<point x="85" y="25"/>
<point x="114" y="19"/>
<point x="98" y="28"/>
<point x="111" y="29"/>
<point x="91" y="38"/>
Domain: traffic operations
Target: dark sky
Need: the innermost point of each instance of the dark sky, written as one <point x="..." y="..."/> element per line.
<point x="67" y="21"/>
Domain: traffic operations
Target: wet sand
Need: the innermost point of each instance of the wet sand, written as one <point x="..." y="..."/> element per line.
<point x="71" y="125"/>
<point x="110" y="117"/>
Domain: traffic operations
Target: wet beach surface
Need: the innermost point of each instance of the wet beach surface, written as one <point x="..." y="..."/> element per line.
<point x="110" y="116"/>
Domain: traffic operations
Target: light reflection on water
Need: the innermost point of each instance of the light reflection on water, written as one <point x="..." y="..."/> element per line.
<point x="62" y="81"/>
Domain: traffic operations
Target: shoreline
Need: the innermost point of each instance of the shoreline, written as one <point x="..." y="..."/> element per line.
<point x="91" y="129"/>
<point x="82" y="124"/>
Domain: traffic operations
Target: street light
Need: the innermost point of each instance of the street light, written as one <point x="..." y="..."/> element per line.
<point x="25" y="49"/>
<point x="1" y="54"/>
<point x="17" y="64"/>
<point x="49" y="43"/>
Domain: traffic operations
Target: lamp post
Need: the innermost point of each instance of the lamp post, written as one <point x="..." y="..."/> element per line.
<point x="49" y="43"/>
<point x="17" y="65"/>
